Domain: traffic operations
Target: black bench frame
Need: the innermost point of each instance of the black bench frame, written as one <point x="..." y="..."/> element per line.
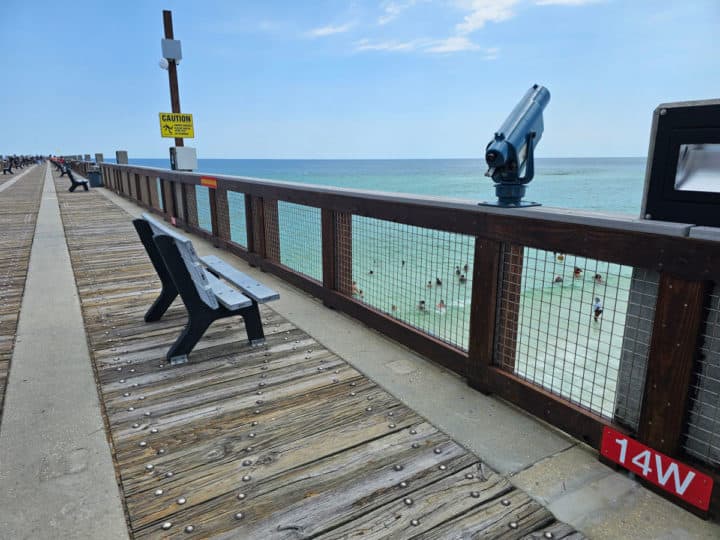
<point x="76" y="183"/>
<point x="175" y="279"/>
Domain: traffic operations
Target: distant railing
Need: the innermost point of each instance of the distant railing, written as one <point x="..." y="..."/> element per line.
<point x="505" y="298"/>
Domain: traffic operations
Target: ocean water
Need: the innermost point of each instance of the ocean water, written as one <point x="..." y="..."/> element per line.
<point x="424" y="277"/>
<point x="603" y="184"/>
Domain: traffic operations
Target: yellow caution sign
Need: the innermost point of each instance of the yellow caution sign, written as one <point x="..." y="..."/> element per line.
<point x="176" y="125"/>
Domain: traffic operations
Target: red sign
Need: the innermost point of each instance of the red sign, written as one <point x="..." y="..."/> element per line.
<point x="683" y="481"/>
<point x="208" y="181"/>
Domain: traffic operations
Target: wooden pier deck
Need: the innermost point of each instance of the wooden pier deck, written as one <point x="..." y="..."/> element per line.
<point x="19" y="204"/>
<point x="281" y="441"/>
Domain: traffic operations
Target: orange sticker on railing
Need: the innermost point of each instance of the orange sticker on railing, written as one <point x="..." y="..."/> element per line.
<point x="208" y="181"/>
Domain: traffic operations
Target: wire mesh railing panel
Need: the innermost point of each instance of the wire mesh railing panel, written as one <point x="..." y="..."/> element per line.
<point x="420" y="276"/>
<point x="238" y="222"/>
<point x="702" y="433"/>
<point x="561" y="324"/>
<point x="636" y="344"/>
<point x="300" y="238"/>
<point x="202" y="198"/>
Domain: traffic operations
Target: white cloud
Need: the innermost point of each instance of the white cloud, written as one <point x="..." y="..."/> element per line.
<point x="393" y="46"/>
<point x="329" y="30"/>
<point x="564" y="2"/>
<point x="482" y="11"/>
<point x="427" y="46"/>
<point x="491" y="53"/>
<point x="452" y="44"/>
<point x="392" y="9"/>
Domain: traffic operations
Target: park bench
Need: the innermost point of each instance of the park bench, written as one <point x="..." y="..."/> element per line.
<point x="206" y="297"/>
<point x="75" y="183"/>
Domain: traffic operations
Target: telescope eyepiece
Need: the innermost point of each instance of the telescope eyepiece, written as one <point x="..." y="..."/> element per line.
<point x="494" y="158"/>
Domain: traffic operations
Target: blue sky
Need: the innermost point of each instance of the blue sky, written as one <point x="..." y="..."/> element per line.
<point x="350" y="79"/>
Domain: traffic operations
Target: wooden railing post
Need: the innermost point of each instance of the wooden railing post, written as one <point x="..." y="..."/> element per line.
<point x="138" y="191"/>
<point x="125" y="177"/>
<point x="673" y="349"/>
<point x="168" y="199"/>
<point x="153" y="193"/>
<point x="483" y="311"/>
<point x="180" y="200"/>
<point x="250" y="223"/>
<point x="190" y="203"/>
<point x="272" y="229"/>
<point x="329" y="254"/>
<point x="337" y="251"/>
<point x="256" y="216"/>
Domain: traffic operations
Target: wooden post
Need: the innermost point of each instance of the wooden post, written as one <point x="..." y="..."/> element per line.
<point x="147" y="191"/>
<point x="329" y="255"/>
<point x="212" y="196"/>
<point x="138" y="191"/>
<point x="180" y="201"/>
<point x="249" y="223"/>
<point x="168" y="198"/>
<point x="337" y="250"/>
<point x="486" y="272"/>
<point x="172" y="70"/>
<point x="272" y="230"/>
<point x="257" y="214"/>
<point x="189" y="196"/>
<point x="673" y="346"/>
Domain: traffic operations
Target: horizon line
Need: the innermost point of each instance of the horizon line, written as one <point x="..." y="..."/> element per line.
<point x="390" y="159"/>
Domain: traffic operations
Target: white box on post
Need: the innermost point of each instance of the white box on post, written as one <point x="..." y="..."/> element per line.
<point x="183" y="158"/>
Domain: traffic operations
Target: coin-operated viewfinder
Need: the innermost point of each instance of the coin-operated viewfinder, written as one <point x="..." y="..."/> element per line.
<point x="510" y="155"/>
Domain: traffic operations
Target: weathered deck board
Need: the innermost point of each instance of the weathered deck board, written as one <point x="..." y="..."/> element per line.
<point x="19" y="205"/>
<point x="288" y="434"/>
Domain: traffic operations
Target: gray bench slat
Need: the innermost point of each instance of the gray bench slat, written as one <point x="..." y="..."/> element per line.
<point x="250" y="286"/>
<point x="226" y="295"/>
<point x="197" y="272"/>
<point x="160" y="228"/>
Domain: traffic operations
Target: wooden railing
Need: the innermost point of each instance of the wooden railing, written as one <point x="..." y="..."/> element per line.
<point x="686" y="269"/>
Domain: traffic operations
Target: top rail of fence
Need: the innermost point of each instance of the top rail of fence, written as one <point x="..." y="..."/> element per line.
<point x="657" y="245"/>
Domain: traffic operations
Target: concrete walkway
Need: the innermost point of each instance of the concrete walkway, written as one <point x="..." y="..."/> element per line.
<point x="56" y="471"/>
<point x="558" y="471"/>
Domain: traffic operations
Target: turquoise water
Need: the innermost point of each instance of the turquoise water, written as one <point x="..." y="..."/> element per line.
<point x="607" y="184"/>
<point x="397" y="267"/>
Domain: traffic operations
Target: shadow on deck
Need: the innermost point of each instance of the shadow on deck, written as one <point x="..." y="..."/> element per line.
<point x="281" y="441"/>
